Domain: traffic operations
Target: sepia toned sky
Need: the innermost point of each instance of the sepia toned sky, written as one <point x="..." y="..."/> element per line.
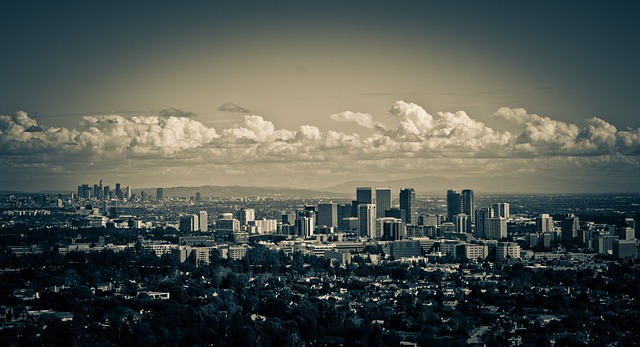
<point x="313" y="94"/>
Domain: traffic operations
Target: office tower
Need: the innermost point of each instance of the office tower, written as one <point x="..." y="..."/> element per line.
<point x="97" y="192"/>
<point x="394" y="212"/>
<point x="198" y="197"/>
<point x="367" y="220"/>
<point x="127" y="193"/>
<point x="288" y="217"/>
<point x="468" y="204"/>
<point x="204" y="221"/>
<point x="189" y="223"/>
<point x="365" y="195"/>
<point x="495" y="228"/>
<point x="462" y="222"/>
<point x="622" y="249"/>
<point x="631" y="223"/>
<point x="354" y="208"/>
<point x="304" y="226"/>
<point x="570" y="226"/>
<point x="227" y="224"/>
<point x="391" y="229"/>
<point x="344" y="211"/>
<point x="408" y="204"/>
<point x="383" y="201"/>
<point x="482" y="216"/>
<point x="308" y="212"/>
<point x="453" y="204"/>
<point x="626" y="233"/>
<point x="118" y="191"/>
<point x="533" y="239"/>
<point x="546" y="240"/>
<point x="142" y="195"/>
<point x="544" y="223"/>
<point x="106" y="193"/>
<point x="603" y="243"/>
<point x="501" y="209"/>
<point x="246" y="215"/>
<point x="160" y="194"/>
<point x="328" y="214"/>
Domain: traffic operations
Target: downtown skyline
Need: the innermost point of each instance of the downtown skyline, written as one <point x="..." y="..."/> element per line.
<point x="312" y="96"/>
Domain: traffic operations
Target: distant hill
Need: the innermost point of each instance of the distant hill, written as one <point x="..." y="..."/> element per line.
<point x="521" y="183"/>
<point x="237" y="191"/>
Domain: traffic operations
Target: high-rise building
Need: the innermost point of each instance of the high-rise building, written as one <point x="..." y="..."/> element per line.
<point x="198" y="197"/>
<point x="482" y="217"/>
<point x="462" y="222"/>
<point x="127" y="193"/>
<point x="383" y="201"/>
<point x="344" y="211"/>
<point x="544" y="223"/>
<point x="624" y="249"/>
<point x="453" y="204"/>
<point x="367" y="220"/>
<point x="304" y="226"/>
<point x="570" y="226"/>
<point x="204" y="221"/>
<point x="159" y="194"/>
<point x="408" y="204"/>
<point x="495" y="228"/>
<point x="626" y="233"/>
<point x="468" y="203"/>
<point x="189" y="223"/>
<point x="391" y="229"/>
<point x="501" y="209"/>
<point x="365" y="195"/>
<point x="328" y="214"/>
<point x="246" y="215"/>
<point x="118" y="191"/>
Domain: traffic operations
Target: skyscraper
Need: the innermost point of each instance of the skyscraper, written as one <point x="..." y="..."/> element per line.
<point x="495" y="228"/>
<point x="570" y="226"/>
<point x="365" y="195"/>
<point x="453" y="204"/>
<point x="204" y="221"/>
<point x="328" y="214"/>
<point x="344" y="211"/>
<point x="482" y="218"/>
<point x="501" y="209"/>
<point x="408" y="204"/>
<point x="544" y="223"/>
<point x="189" y="223"/>
<point x="246" y="215"/>
<point x="198" y="197"/>
<point x="367" y="220"/>
<point x="118" y="191"/>
<point x="383" y="201"/>
<point x="468" y="204"/>
<point x="159" y="194"/>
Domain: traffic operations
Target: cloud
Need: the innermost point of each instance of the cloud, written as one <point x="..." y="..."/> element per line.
<point x="231" y="107"/>
<point x="362" y="119"/>
<point x="414" y="120"/>
<point x="418" y="142"/>
<point x="175" y="112"/>
<point x="543" y="136"/>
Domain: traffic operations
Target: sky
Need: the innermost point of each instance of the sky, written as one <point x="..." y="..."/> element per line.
<point x="313" y="94"/>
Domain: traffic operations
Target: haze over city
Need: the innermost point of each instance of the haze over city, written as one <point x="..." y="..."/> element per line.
<point x="527" y="97"/>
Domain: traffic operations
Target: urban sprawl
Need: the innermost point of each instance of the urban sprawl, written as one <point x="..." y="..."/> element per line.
<point x="380" y="269"/>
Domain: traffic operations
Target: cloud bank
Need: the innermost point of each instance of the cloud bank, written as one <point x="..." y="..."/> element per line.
<point x="419" y="143"/>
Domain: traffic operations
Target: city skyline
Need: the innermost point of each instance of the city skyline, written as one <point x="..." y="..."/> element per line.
<point x="532" y="96"/>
